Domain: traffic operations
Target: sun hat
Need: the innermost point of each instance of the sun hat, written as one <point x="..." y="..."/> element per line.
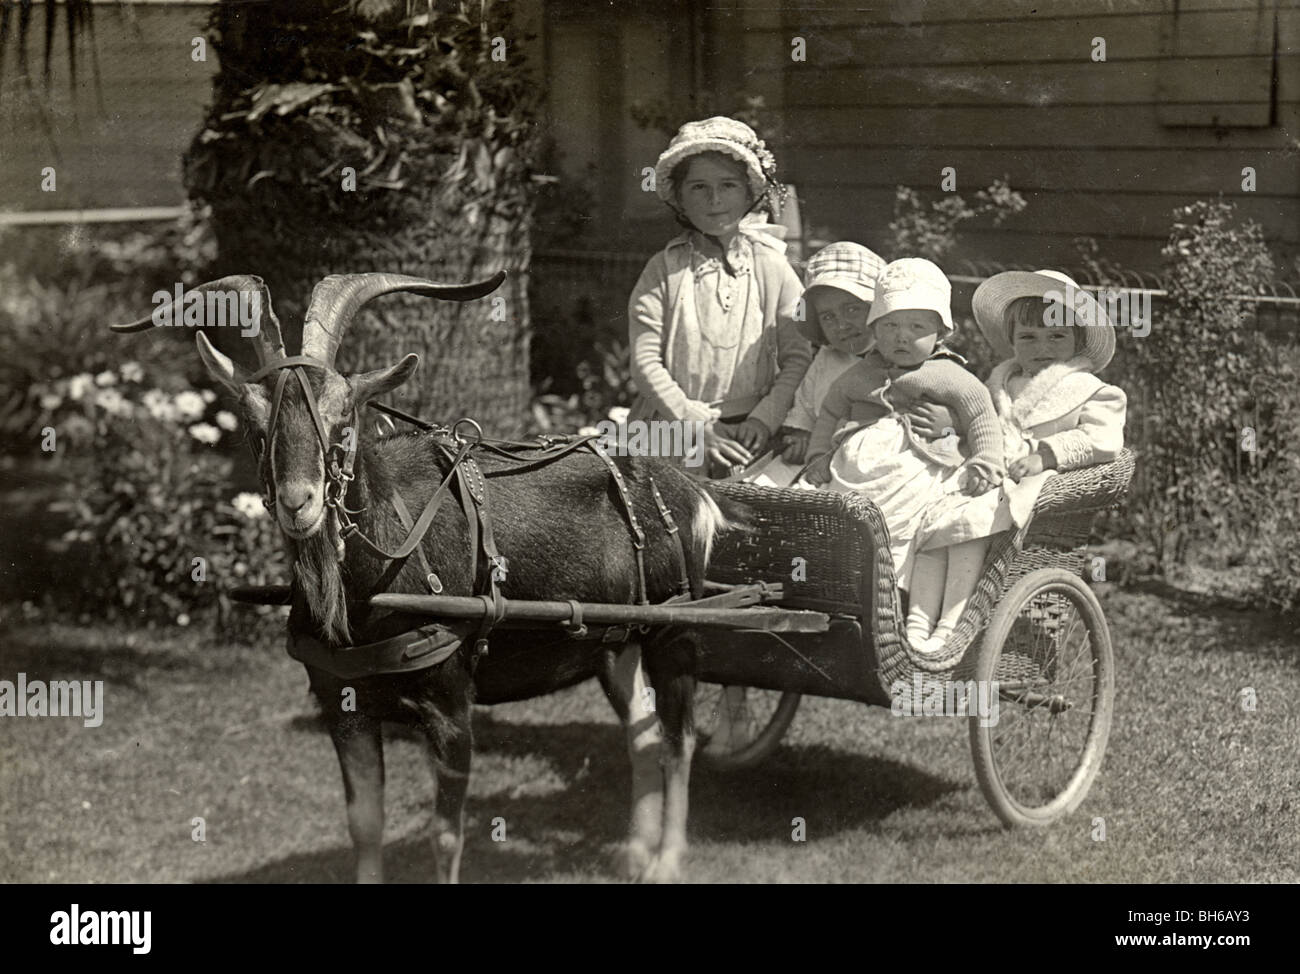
<point x="846" y="265"/>
<point x="719" y="134"/>
<point x="1096" y="338"/>
<point x="913" y="284"/>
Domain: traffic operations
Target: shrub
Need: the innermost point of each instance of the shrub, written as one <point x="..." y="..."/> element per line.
<point x="930" y="231"/>
<point x="1213" y="407"/>
<point x="152" y="493"/>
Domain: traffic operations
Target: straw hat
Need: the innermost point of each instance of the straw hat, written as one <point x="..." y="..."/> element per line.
<point x="717" y="134"/>
<point x="1095" y="338"/>
<point x="913" y="284"/>
<point x="846" y="265"/>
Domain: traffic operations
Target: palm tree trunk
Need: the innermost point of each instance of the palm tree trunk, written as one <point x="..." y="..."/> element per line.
<point x="340" y="144"/>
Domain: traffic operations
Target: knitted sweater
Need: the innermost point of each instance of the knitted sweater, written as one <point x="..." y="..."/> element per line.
<point x="696" y="356"/>
<point x="875" y="388"/>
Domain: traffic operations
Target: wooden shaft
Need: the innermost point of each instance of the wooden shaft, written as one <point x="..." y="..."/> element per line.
<point x="683" y="614"/>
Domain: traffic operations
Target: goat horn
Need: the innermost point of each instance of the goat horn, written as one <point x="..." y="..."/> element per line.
<point x="270" y="343"/>
<point x="336" y="299"/>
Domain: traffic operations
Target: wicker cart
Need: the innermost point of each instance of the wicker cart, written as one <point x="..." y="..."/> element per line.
<point x="1033" y="626"/>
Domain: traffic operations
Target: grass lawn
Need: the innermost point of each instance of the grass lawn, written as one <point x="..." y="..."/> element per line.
<point x="1194" y="788"/>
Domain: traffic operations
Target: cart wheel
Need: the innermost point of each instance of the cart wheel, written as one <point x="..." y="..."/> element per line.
<point x="1048" y="647"/>
<point x="769" y="715"/>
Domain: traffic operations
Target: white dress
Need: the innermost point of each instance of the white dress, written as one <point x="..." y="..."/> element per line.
<point x="879" y="463"/>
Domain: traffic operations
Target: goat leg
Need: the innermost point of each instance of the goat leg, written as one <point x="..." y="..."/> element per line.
<point x="359" y="743"/>
<point x="671" y="669"/>
<point x="629" y="693"/>
<point x="450" y="751"/>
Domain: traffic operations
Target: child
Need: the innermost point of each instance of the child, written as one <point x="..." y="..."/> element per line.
<point x="1055" y="415"/>
<point x="841" y="284"/>
<point x="880" y="456"/>
<point x="710" y="320"/>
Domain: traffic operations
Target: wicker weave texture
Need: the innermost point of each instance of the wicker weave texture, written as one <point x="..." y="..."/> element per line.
<point x="831" y="551"/>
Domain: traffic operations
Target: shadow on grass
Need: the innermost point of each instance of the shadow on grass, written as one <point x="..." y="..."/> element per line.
<point x="1228" y="621"/>
<point x="573" y="831"/>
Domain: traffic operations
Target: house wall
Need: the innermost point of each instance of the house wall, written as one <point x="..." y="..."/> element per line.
<point x="891" y="93"/>
<point x="117" y="143"/>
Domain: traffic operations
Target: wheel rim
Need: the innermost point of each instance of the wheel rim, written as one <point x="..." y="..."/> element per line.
<point x="769" y="713"/>
<point x="1054" y="677"/>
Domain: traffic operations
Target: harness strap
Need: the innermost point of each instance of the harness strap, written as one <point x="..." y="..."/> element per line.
<point x="638" y="536"/>
<point x="684" y="580"/>
<point x="348" y="528"/>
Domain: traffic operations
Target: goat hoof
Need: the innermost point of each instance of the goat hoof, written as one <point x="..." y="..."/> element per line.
<point x="633" y="859"/>
<point x="662" y="869"/>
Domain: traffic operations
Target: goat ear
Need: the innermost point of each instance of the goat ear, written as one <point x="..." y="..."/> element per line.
<point x="219" y="365"/>
<point x="235" y="380"/>
<point x="381" y="381"/>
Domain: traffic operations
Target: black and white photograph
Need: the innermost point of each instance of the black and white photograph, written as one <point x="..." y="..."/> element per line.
<point x="690" y="442"/>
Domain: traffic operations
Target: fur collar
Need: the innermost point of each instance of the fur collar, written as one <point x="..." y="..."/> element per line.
<point x="1052" y="393"/>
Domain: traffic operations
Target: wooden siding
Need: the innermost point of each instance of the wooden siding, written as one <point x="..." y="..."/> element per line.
<point x="123" y="151"/>
<point x="891" y="93"/>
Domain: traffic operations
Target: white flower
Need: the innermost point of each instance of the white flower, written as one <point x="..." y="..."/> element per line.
<point x="226" y="420"/>
<point x="619" y="414"/>
<point x="51" y="401"/>
<point x="588" y="431"/>
<point x="205" y="433"/>
<point x="159" y="405"/>
<point x="189" y="405"/>
<point x="208" y="396"/>
<point x="249" y="504"/>
<point x="113" y="402"/>
<point x="131" y="372"/>
<point x="78" y="385"/>
<point x="105" y="378"/>
<point x="183" y="619"/>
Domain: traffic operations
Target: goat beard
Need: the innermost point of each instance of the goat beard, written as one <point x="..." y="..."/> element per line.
<point x="317" y="566"/>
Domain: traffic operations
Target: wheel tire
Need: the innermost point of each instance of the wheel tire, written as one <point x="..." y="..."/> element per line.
<point x="1062" y="697"/>
<point x="773" y="712"/>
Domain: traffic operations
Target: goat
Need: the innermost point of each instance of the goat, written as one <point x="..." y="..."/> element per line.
<point x="565" y="534"/>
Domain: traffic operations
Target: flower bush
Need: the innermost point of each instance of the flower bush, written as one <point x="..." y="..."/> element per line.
<point x="150" y="496"/>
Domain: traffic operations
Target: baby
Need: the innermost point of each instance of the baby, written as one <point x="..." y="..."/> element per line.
<point x="880" y="456"/>
<point x="1055" y="414"/>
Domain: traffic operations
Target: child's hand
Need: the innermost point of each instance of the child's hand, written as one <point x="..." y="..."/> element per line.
<point x="977" y="483"/>
<point x="796" y="446"/>
<point x="721" y="450"/>
<point x="931" y="420"/>
<point x="1025" y="467"/>
<point x="820" y="471"/>
<point x="753" y="435"/>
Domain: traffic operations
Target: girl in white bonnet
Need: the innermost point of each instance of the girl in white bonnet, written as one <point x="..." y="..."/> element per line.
<point x="710" y="322"/>
<point x="1055" y="415"/>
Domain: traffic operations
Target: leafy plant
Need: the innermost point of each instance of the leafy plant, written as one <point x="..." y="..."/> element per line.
<point x="929" y="230"/>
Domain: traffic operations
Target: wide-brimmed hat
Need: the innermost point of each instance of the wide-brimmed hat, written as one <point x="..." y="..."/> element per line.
<point x="846" y="265"/>
<point x="717" y="134"/>
<point x="1095" y="337"/>
<point x="913" y="284"/>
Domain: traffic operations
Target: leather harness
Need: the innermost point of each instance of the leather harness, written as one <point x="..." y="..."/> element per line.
<point x="430" y="645"/>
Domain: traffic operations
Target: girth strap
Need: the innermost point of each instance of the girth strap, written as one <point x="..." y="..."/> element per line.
<point x="684" y="579"/>
<point x="638" y="536"/>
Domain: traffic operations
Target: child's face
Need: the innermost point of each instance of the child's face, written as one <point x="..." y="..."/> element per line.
<point x="907" y="337"/>
<point x="1038" y="346"/>
<point x="714" y="194"/>
<point x="843" y="319"/>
